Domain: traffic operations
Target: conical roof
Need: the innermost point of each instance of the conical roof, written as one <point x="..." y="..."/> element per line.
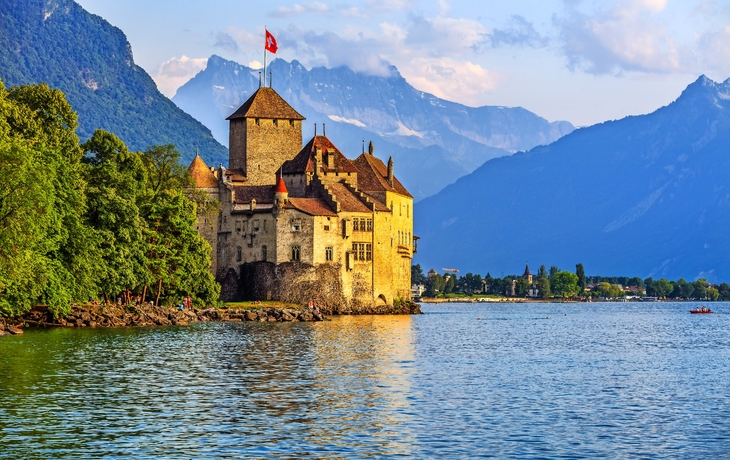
<point x="266" y="103"/>
<point x="201" y="174"/>
<point x="280" y="186"/>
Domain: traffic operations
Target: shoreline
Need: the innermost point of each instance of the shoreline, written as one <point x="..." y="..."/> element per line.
<point x="108" y="316"/>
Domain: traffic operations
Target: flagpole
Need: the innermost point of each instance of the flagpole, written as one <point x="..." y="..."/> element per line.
<point x="264" y="57"/>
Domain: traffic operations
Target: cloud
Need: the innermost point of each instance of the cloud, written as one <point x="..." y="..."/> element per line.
<point x="175" y="72"/>
<point x="628" y="36"/>
<point x="298" y="10"/>
<point x="519" y="32"/>
<point x="450" y="79"/>
<point x="390" y="5"/>
<point x="715" y="51"/>
<point x="225" y="41"/>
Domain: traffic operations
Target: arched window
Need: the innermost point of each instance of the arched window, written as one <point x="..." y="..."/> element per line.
<point x="295" y="253"/>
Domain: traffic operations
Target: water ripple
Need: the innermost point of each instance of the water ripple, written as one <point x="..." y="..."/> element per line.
<point x="463" y="380"/>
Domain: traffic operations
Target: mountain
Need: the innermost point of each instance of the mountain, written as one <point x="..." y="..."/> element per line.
<point x="642" y="196"/>
<point x="433" y="141"/>
<point x="61" y="44"/>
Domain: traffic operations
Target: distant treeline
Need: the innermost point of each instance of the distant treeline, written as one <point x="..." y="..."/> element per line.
<point x="557" y="282"/>
<point x="91" y="220"/>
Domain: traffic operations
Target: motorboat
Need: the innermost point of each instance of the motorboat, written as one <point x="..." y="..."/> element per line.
<point x="701" y="311"/>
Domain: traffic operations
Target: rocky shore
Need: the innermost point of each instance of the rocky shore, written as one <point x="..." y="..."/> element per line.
<point x="121" y="316"/>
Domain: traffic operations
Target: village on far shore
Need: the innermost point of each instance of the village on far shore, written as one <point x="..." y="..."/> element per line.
<point x="556" y="285"/>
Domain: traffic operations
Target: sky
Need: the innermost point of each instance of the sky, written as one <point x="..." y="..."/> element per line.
<point x="581" y="61"/>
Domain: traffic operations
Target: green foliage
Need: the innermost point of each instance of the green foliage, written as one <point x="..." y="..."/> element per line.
<point x="581" y="273"/>
<point x="434" y="285"/>
<point x="611" y="291"/>
<point x="543" y="286"/>
<point x="74" y="226"/>
<point x="542" y="273"/>
<point x="564" y="283"/>
<point x="417" y="276"/>
<point x="521" y="287"/>
<point x="42" y="203"/>
<point x="553" y="271"/>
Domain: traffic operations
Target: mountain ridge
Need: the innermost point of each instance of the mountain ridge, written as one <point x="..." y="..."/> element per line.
<point x="98" y="75"/>
<point x="644" y="195"/>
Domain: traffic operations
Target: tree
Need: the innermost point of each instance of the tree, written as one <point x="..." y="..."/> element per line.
<point x="44" y="207"/>
<point x="649" y="283"/>
<point x="543" y="286"/>
<point x="581" y="273"/>
<point x="662" y="288"/>
<point x="685" y="289"/>
<point x="449" y="283"/>
<point x="521" y="287"/>
<point x="434" y="285"/>
<point x="116" y="181"/>
<point x="417" y="276"/>
<point x="636" y="281"/>
<point x="541" y="272"/>
<point x="553" y="271"/>
<point x="700" y="289"/>
<point x="724" y="291"/>
<point x="712" y="294"/>
<point x="565" y="284"/>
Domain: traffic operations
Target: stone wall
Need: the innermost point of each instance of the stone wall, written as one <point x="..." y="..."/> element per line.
<point x="268" y="145"/>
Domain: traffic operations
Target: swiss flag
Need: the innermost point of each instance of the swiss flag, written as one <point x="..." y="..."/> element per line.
<point x="270" y="43"/>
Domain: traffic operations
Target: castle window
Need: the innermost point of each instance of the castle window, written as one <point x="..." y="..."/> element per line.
<point x="328" y="253"/>
<point x="326" y="228"/>
<point x="256" y="225"/>
<point x="369" y="227"/>
<point x="296" y="226"/>
<point x="238" y="225"/>
<point x="355" y="224"/>
<point x="256" y="121"/>
<point x="263" y="253"/>
<point x="276" y="122"/>
<point x="239" y="253"/>
<point x="368" y="252"/>
<point x="244" y="227"/>
<point x="295" y="253"/>
<point x="265" y="225"/>
<point x="291" y="122"/>
<point x="408" y="211"/>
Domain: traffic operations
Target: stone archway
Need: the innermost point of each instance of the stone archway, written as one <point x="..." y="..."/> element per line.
<point x="381" y="300"/>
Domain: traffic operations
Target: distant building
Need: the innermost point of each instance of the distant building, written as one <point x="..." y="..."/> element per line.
<point x="299" y="223"/>
<point x="527" y="275"/>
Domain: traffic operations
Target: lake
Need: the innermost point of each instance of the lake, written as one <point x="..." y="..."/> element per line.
<point x="541" y="380"/>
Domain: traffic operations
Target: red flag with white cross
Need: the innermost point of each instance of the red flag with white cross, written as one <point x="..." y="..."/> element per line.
<point x="270" y="43"/>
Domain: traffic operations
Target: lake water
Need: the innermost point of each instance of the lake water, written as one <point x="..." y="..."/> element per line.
<point x="463" y="380"/>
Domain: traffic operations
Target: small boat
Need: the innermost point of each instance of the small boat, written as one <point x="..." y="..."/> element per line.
<point x="701" y="311"/>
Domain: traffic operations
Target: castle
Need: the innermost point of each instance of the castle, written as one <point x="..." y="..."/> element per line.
<point x="299" y="223"/>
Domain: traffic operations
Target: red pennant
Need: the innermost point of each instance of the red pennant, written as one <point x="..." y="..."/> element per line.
<point x="270" y="43"/>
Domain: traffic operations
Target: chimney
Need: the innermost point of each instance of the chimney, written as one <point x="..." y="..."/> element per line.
<point x="390" y="172"/>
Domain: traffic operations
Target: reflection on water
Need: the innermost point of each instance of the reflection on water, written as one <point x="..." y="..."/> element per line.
<point x="508" y="381"/>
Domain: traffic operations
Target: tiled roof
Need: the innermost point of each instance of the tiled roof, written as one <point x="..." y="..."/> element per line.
<point x="372" y="176"/>
<point x="201" y="174"/>
<point x="235" y="175"/>
<point x="304" y="160"/>
<point x="261" y="193"/>
<point x="311" y="206"/>
<point x="349" y="202"/>
<point x="266" y="103"/>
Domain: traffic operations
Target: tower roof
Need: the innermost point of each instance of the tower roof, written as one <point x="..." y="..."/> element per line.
<point x="527" y="270"/>
<point x="266" y="103"/>
<point x="304" y="160"/>
<point x="280" y="186"/>
<point x="201" y="174"/>
<point x="372" y="176"/>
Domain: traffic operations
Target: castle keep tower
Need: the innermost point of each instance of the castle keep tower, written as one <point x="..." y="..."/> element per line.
<point x="264" y="133"/>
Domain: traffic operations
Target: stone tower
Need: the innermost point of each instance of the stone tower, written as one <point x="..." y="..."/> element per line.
<point x="264" y="133"/>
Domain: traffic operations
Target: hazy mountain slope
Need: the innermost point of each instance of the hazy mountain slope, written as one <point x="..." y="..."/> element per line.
<point x="437" y="140"/>
<point x="646" y="195"/>
<point x="61" y="44"/>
